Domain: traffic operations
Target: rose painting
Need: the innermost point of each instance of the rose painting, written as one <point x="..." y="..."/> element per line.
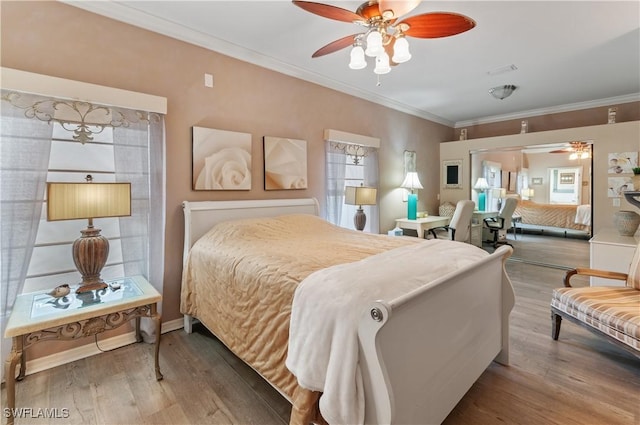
<point x="221" y="160"/>
<point x="285" y="163"/>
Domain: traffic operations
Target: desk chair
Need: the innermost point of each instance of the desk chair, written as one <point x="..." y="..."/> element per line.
<point x="459" y="228"/>
<point x="502" y="222"/>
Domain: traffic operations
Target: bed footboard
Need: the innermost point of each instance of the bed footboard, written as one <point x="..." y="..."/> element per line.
<point x="421" y="353"/>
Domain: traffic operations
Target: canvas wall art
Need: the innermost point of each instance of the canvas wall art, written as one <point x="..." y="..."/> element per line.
<point x="622" y="162"/>
<point x="285" y="163"/>
<point x="221" y="159"/>
<point x="617" y="185"/>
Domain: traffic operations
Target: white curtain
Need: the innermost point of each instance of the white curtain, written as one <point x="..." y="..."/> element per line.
<point x="337" y="162"/>
<point x="139" y="159"/>
<point x="25" y="145"/>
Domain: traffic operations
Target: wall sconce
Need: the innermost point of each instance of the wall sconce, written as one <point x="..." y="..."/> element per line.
<point x="71" y="201"/>
<point x="481" y="185"/>
<point x="411" y="182"/>
<point x="360" y="195"/>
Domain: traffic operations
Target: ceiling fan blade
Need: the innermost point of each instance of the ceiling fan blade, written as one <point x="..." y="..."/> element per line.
<point x="334" y="46"/>
<point x="390" y="9"/>
<point x="437" y="24"/>
<point x="328" y="11"/>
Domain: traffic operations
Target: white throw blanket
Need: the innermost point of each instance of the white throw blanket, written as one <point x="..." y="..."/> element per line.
<point x="329" y="304"/>
<point x="583" y="215"/>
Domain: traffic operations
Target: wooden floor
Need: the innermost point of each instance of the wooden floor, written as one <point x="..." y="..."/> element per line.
<point x="580" y="379"/>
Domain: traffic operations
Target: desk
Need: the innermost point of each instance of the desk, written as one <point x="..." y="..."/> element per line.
<point x="423" y="224"/>
<point x="38" y="317"/>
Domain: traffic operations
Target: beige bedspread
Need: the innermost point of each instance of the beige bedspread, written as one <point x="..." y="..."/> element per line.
<point x="563" y="216"/>
<point x="241" y="276"/>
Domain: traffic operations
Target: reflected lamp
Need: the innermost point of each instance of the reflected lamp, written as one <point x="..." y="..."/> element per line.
<point x="360" y="195"/>
<point x="411" y="182"/>
<point x="499" y="193"/>
<point x="72" y="201"/>
<point x="481" y="185"/>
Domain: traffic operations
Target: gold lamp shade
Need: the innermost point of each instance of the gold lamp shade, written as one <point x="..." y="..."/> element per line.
<point x="71" y="201"/>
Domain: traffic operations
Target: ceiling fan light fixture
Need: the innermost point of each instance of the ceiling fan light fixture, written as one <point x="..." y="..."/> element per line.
<point x="357" y="58"/>
<point x="401" y="52"/>
<point x="374" y="44"/>
<point x="382" y="64"/>
<point x="502" y="92"/>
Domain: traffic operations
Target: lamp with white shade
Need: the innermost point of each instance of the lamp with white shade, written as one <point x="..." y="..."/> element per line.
<point x="411" y="182"/>
<point x="481" y="185"/>
<point x="72" y="201"/>
<point x="360" y="195"/>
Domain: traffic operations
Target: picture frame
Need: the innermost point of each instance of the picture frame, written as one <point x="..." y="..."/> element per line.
<point x="536" y="181"/>
<point x="220" y="159"/>
<point x="285" y="163"/>
<point x="452" y="174"/>
<point x="622" y="162"/>
<point x="410" y="158"/>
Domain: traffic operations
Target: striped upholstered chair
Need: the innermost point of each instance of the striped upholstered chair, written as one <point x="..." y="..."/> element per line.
<point x="612" y="311"/>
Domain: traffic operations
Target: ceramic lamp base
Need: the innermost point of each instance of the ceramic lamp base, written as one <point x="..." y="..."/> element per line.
<point x="412" y="206"/>
<point x="482" y="199"/>
<point x="90" y="253"/>
<point x="360" y="219"/>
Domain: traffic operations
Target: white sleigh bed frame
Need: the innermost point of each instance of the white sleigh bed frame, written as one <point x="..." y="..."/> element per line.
<point x="420" y="353"/>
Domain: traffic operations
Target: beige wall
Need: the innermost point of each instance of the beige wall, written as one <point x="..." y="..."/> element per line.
<point x="59" y="40"/>
<point x="620" y="137"/>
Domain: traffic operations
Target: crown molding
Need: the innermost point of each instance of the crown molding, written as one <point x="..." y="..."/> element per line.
<point x="126" y="14"/>
<point x="610" y="101"/>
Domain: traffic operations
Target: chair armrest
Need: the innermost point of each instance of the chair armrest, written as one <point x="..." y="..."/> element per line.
<point x="494" y="220"/>
<point x="592" y="272"/>
<point x="433" y="230"/>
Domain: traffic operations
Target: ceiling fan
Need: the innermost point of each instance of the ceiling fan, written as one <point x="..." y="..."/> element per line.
<point x="576" y="150"/>
<point x="384" y="35"/>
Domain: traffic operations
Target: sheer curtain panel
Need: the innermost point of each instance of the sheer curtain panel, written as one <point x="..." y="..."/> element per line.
<point x="25" y="145"/>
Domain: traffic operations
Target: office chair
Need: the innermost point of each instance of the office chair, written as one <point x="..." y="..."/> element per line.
<point x="459" y="228"/>
<point x="502" y="222"/>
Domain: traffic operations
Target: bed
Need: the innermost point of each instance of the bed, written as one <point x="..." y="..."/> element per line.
<point x="338" y="352"/>
<point x="575" y="219"/>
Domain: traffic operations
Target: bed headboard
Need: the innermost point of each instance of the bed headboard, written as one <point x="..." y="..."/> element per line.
<point x="201" y="216"/>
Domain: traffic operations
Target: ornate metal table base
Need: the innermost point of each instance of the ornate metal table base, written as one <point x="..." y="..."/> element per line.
<point x="75" y="330"/>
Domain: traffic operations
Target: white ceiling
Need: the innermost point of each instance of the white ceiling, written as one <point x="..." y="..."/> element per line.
<point x="569" y="54"/>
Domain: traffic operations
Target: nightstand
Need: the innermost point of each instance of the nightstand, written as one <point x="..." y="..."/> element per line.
<point x="38" y="317"/>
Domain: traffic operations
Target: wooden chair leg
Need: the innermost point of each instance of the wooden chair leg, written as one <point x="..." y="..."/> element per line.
<point x="556" y="321"/>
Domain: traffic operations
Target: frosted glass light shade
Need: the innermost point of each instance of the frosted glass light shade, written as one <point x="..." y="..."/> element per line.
<point x="357" y="58"/>
<point x="382" y="64"/>
<point x="374" y="44"/>
<point x="401" y="50"/>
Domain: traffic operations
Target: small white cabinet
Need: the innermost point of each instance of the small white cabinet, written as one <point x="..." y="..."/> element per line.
<point x="610" y="251"/>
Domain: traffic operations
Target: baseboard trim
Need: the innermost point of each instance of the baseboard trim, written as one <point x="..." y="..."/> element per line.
<point x="88" y="350"/>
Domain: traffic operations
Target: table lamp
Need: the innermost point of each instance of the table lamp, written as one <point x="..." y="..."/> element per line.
<point x="71" y="201"/>
<point x="481" y="185"/>
<point x="410" y="183"/>
<point x="527" y="193"/>
<point x="360" y="195"/>
<point x="500" y="193"/>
